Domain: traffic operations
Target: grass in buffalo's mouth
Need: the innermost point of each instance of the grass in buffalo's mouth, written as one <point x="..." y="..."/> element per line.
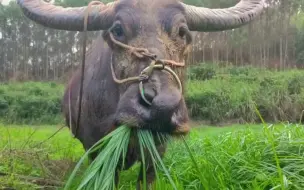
<point x="146" y="141"/>
<point x="101" y="172"/>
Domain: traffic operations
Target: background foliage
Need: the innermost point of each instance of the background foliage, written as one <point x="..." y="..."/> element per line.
<point x="32" y="52"/>
<point x="31" y="102"/>
<point x="213" y="94"/>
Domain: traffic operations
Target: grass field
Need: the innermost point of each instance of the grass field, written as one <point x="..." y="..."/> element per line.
<point x="232" y="157"/>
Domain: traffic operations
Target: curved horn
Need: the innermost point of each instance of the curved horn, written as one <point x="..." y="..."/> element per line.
<point x="205" y="19"/>
<point x="57" y="17"/>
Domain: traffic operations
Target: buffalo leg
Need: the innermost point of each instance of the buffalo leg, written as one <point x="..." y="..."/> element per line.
<point x="117" y="178"/>
<point x="92" y="156"/>
<point x="150" y="176"/>
<point x="150" y="171"/>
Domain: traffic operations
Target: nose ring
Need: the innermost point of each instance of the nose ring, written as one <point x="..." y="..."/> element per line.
<point x="142" y="93"/>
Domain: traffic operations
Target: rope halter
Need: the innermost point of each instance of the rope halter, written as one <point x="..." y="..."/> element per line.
<point x="145" y="74"/>
<point x="138" y="52"/>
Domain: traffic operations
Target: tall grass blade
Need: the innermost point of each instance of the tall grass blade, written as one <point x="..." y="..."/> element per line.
<point x="271" y="138"/>
<point x="143" y="163"/>
<point x="195" y="164"/>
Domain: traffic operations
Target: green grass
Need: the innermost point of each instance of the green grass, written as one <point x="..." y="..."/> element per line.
<point x="232" y="157"/>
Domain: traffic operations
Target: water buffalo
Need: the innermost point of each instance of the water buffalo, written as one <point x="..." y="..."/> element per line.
<point x="161" y="28"/>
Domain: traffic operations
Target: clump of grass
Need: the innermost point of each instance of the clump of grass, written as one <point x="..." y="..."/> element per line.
<point x="101" y="172"/>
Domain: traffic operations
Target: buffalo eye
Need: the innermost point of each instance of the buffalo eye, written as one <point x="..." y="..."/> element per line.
<point x="182" y="31"/>
<point x="117" y="31"/>
<point x="184" y="34"/>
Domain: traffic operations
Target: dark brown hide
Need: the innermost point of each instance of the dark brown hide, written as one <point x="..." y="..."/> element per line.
<point x="107" y="105"/>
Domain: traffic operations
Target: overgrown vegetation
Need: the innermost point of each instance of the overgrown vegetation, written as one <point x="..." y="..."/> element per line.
<point x="215" y="94"/>
<point x="31" y="102"/>
<point x="33" y="52"/>
<point x="235" y="157"/>
<point x="231" y="93"/>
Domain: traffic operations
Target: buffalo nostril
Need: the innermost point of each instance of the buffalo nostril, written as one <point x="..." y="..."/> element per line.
<point x="148" y="94"/>
<point x="165" y="103"/>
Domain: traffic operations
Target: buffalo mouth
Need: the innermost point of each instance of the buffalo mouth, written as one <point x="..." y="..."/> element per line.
<point x="165" y="127"/>
<point x="155" y="126"/>
<point x="167" y="113"/>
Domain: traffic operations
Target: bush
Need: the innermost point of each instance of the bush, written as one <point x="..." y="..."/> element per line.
<point x="30" y="102"/>
<point x="212" y="94"/>
<point x="217" y="100"/>
<point x="201" y="72"/>
<point x="233" y="95"/>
